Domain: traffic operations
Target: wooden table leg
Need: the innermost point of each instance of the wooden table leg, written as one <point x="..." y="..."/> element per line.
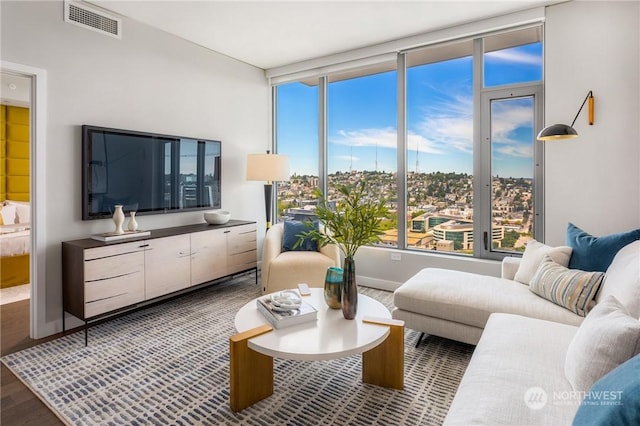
<point x="384" y="364"/>
<point x="251" y="373"/>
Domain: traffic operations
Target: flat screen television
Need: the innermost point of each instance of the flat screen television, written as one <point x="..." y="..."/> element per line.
<point x="147" y="173"/>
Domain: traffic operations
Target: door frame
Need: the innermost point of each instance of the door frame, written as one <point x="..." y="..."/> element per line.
<point x="38" y="326"/>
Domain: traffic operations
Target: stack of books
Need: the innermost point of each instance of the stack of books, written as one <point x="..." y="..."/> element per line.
<point x="280" y="318"/>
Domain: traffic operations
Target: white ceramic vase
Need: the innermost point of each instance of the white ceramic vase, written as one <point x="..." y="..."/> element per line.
<point x="118" y="219"/>
<point x="133" y="224"/>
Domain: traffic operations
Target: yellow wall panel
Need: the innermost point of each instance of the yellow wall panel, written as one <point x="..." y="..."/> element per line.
<point x="18" y="150"/>
<point x="3" y="153"/>
<point x="17" y="132"/>
<point x="18" y="115"/>
<point x="14" y="153"/>
<point x="17" y="167"/>
<point x="17" y="184"/>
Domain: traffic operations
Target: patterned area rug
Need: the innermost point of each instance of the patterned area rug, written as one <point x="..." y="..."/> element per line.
<point x="169" y="364"/>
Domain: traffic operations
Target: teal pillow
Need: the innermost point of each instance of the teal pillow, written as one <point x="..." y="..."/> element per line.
<point x="596" y="253"/>
<point x="292" y="230"/>
<point x="614" y="399"/>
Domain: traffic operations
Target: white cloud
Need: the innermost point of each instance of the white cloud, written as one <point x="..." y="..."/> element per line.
<point x="514" y="57"/>
<point x="382" y="138"/>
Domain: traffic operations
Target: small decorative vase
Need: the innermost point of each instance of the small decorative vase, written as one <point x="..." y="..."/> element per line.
<point x="133" y="225"/>
<point x="349" y="289"/>
<point x="118" y="219"/>
<point x="333" y="287"/>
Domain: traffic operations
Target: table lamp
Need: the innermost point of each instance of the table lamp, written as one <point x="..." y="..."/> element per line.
<point x="270" y="168"/>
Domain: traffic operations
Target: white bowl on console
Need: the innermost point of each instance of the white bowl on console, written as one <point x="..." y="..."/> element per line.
<point x="217" y="217"/>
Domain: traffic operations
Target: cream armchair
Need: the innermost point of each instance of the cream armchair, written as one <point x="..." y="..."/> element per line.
<point x="284" y="270"/>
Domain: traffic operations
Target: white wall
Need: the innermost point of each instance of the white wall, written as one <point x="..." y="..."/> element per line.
<point x="593" y="181"/>
<point x="148" y="81"/>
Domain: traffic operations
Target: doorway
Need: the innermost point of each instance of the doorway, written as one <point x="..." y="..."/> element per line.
<point x="37" y="102"/>
<point x="15" y="190"/>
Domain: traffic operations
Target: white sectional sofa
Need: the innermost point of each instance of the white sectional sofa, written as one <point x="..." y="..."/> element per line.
<point x="522" y="339"/>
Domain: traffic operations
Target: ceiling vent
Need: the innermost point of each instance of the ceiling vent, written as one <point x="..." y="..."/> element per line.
<point x="92" y="19"/>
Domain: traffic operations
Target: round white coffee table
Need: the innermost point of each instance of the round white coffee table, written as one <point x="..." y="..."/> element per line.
<point x="373" y="333"/>
<point x="329" y="337"/>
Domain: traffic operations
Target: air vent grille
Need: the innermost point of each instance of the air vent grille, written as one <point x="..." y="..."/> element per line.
<point x="83" y="16"/>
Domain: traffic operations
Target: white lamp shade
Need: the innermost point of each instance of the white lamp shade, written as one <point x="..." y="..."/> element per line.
<point x="269" y="167"/>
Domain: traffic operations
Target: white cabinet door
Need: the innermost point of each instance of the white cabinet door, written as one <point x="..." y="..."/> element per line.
<point x="167" y="265"/>
<point x="208" y="255"/>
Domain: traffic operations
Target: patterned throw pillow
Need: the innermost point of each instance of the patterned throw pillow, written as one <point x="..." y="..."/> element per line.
<point x="570" y="288"/>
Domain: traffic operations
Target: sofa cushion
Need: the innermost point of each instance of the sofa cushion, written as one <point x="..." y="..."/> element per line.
<point x="570" y="288"/>
<point x="533" y="255"/>
<point x="469" y="298"/>
<point x="291" y="234"/>
<point x="515" y="355"/>
<point x="607" y="338"/>
<point x="623" y="279"/>
<point x="596" y="253"/>
<point x="614" y="399"/>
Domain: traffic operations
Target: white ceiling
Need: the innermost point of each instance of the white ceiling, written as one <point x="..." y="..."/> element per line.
<point x="269" y="34"/>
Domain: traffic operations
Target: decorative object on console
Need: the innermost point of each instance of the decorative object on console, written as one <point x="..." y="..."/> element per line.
<point x="118" y="219"/>
<point x="333" y="287"/>
<point x="133" y="224"/>
<point x="217" y="217"/>
<point x="562" y="131"/>
<point x="112" y="236"/>
<point x="354" y="222"/>
<point x="270" y="168"/>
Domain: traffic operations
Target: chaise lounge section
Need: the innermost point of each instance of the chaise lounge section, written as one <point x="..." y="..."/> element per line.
<point x="532" y="354"/>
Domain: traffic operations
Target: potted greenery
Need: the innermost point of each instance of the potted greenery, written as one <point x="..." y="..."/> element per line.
<point x="354" y="222"/>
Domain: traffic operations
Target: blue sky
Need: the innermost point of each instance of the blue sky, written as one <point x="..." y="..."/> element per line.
<point x="362" y="118"/>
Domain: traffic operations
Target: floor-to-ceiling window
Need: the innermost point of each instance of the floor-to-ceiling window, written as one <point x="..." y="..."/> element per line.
<point x="296" y="133"/>
<point x="468" y="179"/>
<point x="362" y="139"/>
<point x="440" y="147"/>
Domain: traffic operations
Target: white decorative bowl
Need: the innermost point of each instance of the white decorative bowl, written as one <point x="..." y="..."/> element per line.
<point x="217" y="217"/>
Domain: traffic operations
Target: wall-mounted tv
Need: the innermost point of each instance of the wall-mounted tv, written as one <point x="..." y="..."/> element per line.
<point x="147" y="173"/>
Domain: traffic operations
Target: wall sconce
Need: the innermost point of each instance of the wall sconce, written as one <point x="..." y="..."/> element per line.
<point x="562" y="131"/>
<point x="270" y="168"/>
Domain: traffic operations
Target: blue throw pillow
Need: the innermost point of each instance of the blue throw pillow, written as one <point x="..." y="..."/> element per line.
<point x="292" y="229"/>
<point x="596" y="253"/>
<point x="614" y="399"/>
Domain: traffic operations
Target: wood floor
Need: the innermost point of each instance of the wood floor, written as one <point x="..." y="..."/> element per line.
<point x="18" y="405"/>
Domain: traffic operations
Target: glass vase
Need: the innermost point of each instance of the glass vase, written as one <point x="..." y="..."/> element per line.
<point x="349" y="289"/>
<point x="333" y="287"/>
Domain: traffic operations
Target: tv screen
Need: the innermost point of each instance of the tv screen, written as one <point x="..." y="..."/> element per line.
<point x="147" y="173"/>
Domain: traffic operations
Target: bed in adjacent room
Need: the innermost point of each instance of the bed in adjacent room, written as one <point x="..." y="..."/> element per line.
<point x="15" y="243"/>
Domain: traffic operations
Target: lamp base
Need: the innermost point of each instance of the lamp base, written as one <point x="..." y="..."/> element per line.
<point x="268" y="194"/>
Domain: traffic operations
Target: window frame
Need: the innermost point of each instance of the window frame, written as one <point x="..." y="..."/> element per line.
<point x="482" y="150"/>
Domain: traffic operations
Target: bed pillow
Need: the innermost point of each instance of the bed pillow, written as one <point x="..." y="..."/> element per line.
<point x="570" y="288"/>
<point x="8" y="214"/>
<point x="596" y="253"/>
<point x="534" y="253"/>
<point x="290" y="236"/>
<point x="607" y="337"/>
<point x="23" y="211"/>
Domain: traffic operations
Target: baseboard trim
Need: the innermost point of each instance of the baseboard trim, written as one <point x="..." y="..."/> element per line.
<point x="377" y="283"/>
